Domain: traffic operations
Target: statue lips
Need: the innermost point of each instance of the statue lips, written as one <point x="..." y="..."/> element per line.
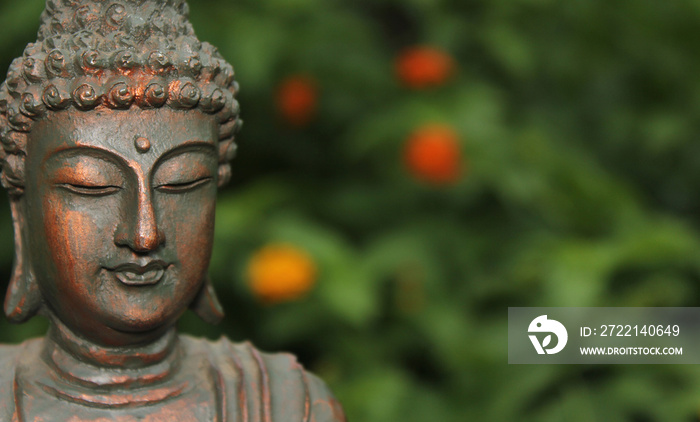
<point x="133" y="274"/>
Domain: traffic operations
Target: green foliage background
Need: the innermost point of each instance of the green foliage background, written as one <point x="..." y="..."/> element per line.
<point x="578" y="121"/>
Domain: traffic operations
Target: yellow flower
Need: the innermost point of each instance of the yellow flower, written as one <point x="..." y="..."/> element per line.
<point x="281" y="272"/>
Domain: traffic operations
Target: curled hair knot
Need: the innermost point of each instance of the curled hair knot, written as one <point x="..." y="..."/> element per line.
<point x="229" y="111"/>
<point x="155" y="95"/>
<point x="13" y="173"/>
<point x="116" y="15"/>
<point x="227" y="150"/>
<point x="31" y="105"/>
<point x="56" y="63"/>
<point x="158" y="62"/>
<point x="91" y="61"/>
<point x="120" y="95"/>
<point x="31" y="70"/>
<point x="224" y="173"/>
<point x="86" y="97"/>
<point x="185" y="94"/>
<point x="125" y="60"/>
<point x="13" y="141"/>
<point x="194" y="64"/>
<point x="213" y="101"/>
<point x="85" y="16"/>
<point x="17" y="120"/>
<point x="14" y="79"/>
<point x="54" y="99"/>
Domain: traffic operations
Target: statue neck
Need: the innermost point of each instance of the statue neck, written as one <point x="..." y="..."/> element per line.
<point x="78" y="359"/>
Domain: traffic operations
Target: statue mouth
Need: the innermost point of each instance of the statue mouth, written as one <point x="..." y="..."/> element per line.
<point x="132" y="274"/>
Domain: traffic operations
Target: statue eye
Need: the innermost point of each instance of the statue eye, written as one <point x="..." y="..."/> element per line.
<point x="89" y="190"/>
<point x="181" y="187"/>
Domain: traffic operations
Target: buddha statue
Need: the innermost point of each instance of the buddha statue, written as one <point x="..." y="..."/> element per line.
<point x="117" y="127"/>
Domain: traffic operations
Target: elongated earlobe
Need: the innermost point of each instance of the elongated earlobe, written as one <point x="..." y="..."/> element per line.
<point x="23" y="298"/>
<point x="206" y="305"/>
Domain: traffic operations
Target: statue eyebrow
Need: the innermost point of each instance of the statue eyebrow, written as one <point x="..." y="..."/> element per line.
<point x="192" y="144"/>
<point x="96" y="152"/>
<point x="195" y="145"/>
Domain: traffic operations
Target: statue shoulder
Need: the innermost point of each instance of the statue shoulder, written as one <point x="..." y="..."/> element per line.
<point x="271" y="387"/>
<point x="11" y="354"/>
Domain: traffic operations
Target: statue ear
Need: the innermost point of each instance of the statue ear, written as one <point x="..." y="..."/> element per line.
<point x="23" y="298"/>
<point x="206" y="305"/>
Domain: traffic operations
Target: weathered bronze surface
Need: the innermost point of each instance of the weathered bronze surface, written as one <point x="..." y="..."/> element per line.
<point x="117" y="126"/>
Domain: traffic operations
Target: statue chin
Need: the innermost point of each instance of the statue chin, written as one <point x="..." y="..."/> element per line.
<point x="113" y="153"/>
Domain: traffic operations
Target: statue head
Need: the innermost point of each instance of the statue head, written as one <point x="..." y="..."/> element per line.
<point x="117" y="127"/>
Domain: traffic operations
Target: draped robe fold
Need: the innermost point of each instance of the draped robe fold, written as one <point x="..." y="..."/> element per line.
<point x="214" y="381"/>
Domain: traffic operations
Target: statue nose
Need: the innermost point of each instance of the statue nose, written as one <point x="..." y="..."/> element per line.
<point x="140" y="232"/>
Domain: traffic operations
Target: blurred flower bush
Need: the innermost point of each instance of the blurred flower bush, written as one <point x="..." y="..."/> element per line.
<point x="577" y="123"/>
<point x="432" y="153"/>
<point x="279" y="273"/>
<point x="423" y="67"/>
<point x="297" y="100"/>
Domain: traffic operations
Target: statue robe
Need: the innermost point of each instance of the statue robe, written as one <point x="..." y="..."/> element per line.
<point x="208" y="381"/>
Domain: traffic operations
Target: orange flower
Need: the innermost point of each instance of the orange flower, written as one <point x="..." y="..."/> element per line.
<point x="280" y="273"/>
<point x="297" y="100"/>
<point x="432" y="153"/>
<point x="422" y="67"/>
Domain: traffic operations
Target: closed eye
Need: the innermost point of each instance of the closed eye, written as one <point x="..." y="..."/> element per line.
<point x="89" y="190"/>
<point x="182" y="187"/>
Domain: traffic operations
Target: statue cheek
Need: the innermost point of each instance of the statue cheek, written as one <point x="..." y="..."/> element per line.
<point x="195" y="237"/>
<point x="187" y="222"/>
<point x="75" y="242"/>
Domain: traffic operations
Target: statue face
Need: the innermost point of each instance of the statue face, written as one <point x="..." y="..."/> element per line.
<point x="120" y="208"/>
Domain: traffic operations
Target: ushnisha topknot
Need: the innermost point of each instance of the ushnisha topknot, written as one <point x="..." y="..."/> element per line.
<point x="115" y="54"/>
